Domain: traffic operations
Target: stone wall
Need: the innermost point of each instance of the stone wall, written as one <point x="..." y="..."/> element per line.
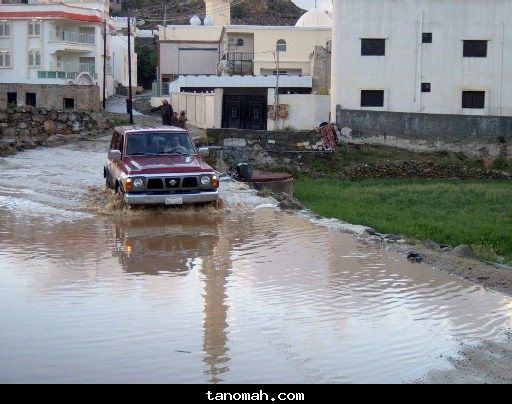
<point x="27" y="127"/>
<point x="475" y="136"/>
<point x="52" y="96"/>
<point x="262" y="149"/>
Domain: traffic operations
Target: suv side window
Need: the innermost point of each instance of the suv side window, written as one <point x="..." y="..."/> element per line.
<point x="113" y="141"/>
<point x="117" y="142"/>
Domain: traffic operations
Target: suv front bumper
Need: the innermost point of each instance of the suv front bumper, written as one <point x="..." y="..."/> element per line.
<point x="145" y="199"/>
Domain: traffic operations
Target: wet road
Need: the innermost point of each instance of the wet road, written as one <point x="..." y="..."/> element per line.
<point x="243" y="293"/>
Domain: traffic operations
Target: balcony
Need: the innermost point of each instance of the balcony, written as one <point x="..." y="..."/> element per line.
<point x="73" y="37"/>
<point x="72" y="70"/>
<point x="238" y="63"/>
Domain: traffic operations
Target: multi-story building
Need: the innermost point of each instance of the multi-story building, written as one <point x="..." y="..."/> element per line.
<point x="423" y="56"/>
<point x="48" y="47"/>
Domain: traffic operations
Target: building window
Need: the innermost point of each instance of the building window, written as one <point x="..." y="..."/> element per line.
<point x="69" y="103"/>
<point x="281" y="45"/>
<point x="473" y="99"/>
<point x="34" y="28"/>
<point x="426" y="37"/>
<point x="240" y="42"/>
<point x="475" y="49"/>
<point x="30" y="99"/>
<point x="372" y="98"/>
<point x="425" y="87"/>
<point x="5" y="29"/>
<point x="5" y="59"/>
<point x="34" y="58"/>
<point x="281" y="72"/>
<point x="12" y="98"/>
<point x="373" y="47"/>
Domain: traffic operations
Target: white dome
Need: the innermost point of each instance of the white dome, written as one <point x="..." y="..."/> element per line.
<point x="208" y="20"/>
<point x="315" y="18"/>
<point x="195" y="20"/>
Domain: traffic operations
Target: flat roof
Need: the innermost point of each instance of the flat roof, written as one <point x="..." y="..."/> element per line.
<point x="149" y="128"/>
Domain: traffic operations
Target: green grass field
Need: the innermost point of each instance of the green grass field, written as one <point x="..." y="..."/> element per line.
<point x="475" y="212"/>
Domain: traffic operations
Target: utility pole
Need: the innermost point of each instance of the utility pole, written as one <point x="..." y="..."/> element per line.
<point x="104" y="64"/>
<point x="276" y="100"/>
<point x="130" y="110"/>
<point x="165" y="13"/>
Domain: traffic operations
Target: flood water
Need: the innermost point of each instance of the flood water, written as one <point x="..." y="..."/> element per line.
<point x="243" y="293"/>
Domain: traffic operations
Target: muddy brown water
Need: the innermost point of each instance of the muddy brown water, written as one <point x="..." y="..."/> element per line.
<point x="243" y="292"/>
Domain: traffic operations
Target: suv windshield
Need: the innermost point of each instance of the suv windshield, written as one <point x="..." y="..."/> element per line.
<point x="158" y="143"/>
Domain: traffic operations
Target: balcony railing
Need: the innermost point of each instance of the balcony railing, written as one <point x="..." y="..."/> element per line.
<point x="238" y="63"/>
<point x="74" y="37"/>
<point x="70" y="67"/>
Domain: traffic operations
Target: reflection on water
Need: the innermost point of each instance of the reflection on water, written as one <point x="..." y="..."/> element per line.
<point x="243" y="294"/>
<point x="247" y="296"/>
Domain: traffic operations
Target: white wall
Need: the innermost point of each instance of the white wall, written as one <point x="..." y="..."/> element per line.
<point x="408" y="62"/>
<point x="200" y="108"/>
<point x="120" y="60"/>
<point x="306" y="111"/>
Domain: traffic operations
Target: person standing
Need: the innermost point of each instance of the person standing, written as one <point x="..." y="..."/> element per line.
<point x="166" y="111"/>
<point x="183" y="120"/>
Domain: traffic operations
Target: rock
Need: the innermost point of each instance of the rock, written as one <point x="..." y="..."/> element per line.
<point x="370" y="231"/>
<point x="464" y="251"/>
<point x="287" y="202"/>
<point x="55" y="139"/>
<point x="4" y="116"/>
<point x="63" y="117"/>
<point x="432" y="245"/>
<point x="8" y="133"/>
<point x="24" y="136"/>
<point x="38" y="118"/>
<point x="49" y="126"/>
<point x="415" y="257"/>
<point x="392" y="237"/>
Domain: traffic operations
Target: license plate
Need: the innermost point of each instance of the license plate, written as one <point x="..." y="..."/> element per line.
<point x="174" y="200"/>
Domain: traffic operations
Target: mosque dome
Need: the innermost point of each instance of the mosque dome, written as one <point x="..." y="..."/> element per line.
<point x="315" y="18"/>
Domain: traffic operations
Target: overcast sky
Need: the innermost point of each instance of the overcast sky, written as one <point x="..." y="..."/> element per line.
<point x="308" y="4"/>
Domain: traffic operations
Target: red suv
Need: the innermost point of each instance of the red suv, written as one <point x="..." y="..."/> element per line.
<point x="158" y="165"/>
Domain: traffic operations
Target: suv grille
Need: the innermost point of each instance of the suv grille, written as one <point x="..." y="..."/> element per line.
<point x="189" y="182"/>
<point x="155" y="183"/>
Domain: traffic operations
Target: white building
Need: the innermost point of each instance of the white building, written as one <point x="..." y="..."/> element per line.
<point x="119" y="45"/>
<point x="423" y="56"/>
<point x="53" y="43"/>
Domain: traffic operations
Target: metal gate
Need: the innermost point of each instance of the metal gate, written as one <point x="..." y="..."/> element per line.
<point x="244" y="112"/>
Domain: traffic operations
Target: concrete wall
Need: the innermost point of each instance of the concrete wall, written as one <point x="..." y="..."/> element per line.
<point x="300" y="41"/>
<point x="180" y="58"/>
<point x="306" y="111"/>
<point x="408" y="62"/>
<point x="477" y="136"/>
<point x="120" y="61"/>
<point x="321" y="70"/>
<point x="52" y="96"/>
<point x="200" y="108"/>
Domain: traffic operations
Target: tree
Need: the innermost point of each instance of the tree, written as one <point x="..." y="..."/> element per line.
<point x="147" y="62"/>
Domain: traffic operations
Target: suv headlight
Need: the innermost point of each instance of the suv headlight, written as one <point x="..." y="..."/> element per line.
<point x="138" y="183"/>
<point x="205" y="180"/>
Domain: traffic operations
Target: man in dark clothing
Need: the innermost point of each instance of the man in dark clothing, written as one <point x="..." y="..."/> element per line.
<point x="166" y="111"/>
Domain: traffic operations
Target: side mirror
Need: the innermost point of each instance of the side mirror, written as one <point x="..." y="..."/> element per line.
<point x="114" y="155"/>
<point x="204" y="151"/>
